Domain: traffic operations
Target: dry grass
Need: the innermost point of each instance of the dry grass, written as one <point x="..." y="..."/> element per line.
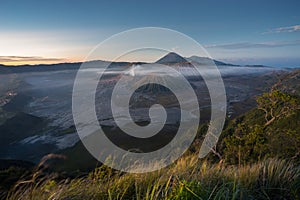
<point x="188" y="178"/>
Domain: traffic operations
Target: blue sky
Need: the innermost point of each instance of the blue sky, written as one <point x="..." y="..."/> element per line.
<point x="241" y="32"/>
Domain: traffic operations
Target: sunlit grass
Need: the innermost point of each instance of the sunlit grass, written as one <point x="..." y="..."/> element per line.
<point x="188" y="178"/>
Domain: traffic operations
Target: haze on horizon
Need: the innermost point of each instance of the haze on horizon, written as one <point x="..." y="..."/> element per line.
<point x="238" y="32"/>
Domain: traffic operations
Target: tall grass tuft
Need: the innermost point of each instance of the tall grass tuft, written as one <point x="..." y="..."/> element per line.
<point x="188" y="178"/>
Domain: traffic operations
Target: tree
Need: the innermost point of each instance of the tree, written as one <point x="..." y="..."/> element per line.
<point x="276" y="105"/>
<point x="247" y="143"/>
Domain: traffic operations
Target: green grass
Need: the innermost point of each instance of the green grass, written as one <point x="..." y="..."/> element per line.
<point x="188" y="178"/>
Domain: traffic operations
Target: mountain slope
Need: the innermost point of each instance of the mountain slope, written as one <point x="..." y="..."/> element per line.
<point x="171" y="58"/>
<point x="269" y="130"/>
<point x="206" y="60"/>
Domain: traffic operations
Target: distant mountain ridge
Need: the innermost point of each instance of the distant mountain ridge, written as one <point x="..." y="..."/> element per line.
<point x="206" y="60"/>
<point x="171" y="58"/>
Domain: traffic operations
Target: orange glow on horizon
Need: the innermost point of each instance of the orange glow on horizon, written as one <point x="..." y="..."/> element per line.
<point x="40" y="62"/>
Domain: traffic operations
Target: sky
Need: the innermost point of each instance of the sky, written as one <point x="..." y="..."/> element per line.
<point x="239" y="32"/>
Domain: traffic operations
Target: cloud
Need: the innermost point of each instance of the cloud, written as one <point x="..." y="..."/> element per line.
<point x="246" y="45"/>
<point x="287" y="29"/>
<point x="6" y="59"/>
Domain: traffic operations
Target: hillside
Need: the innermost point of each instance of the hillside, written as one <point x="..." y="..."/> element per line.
<point x="272" y="129"/>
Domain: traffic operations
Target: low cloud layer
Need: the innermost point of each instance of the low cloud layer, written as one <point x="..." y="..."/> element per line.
<point x="245" y="45"/>
<point x="8" y="59"/>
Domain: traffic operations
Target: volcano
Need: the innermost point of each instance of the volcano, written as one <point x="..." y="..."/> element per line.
<point x="171" y="58"/>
